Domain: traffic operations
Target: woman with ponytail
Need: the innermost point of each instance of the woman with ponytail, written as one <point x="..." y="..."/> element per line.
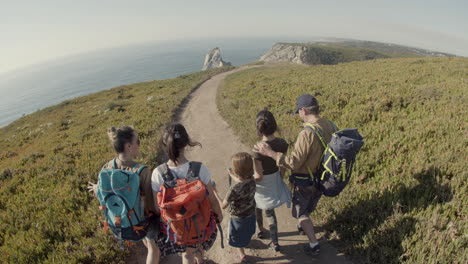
<point x="126" y="144"/>
<point x="271" y="191"/>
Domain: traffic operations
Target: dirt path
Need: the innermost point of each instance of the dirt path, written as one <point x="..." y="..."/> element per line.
<point x="205" y="125"/>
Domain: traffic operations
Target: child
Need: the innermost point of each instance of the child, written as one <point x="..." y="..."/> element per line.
<point x="241" y="202"/>
<point x="271" y="191"/>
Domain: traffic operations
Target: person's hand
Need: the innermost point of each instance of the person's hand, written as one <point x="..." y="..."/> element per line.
<point x="92" y="188"/>
<point x="231" y="173"/>
<point x="264" y="149"/>
<point x="220" y="218"/>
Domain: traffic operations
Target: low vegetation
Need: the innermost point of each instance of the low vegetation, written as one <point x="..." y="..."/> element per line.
<point x="46" y="159"/>
<point x="406" y="201"/>
<point x="329" y="55"/>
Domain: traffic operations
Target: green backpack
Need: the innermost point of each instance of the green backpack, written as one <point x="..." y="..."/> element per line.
<point x="119" y="198"/>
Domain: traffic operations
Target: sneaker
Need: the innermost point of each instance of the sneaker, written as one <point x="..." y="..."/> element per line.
<point x="275" y="247"/>
<point x="301" y="231"/>
<point x="261" y="234"/>
<point x="312" y="251"/>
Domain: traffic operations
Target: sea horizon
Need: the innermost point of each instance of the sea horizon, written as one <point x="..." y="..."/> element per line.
<point x="46" y="84"/>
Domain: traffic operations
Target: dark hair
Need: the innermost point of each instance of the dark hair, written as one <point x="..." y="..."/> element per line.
<point x="312" y="110"/>
<point x="266" y="123"/>
<point x="120" y="136"/>
<point x="174" y="139"/>
<point x="242" y="165"/>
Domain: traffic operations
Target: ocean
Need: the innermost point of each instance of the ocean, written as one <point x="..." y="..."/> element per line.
<point x="36" y="87"/>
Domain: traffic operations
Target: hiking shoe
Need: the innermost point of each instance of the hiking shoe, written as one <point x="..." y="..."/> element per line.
<point x="301" y="231"/>
<point x="312" y="251"/>
<point x="261" y="234"/>
<point x="275" y="247"/>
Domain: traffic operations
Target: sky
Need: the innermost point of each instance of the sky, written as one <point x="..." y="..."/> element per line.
<point x="34" y="31"/>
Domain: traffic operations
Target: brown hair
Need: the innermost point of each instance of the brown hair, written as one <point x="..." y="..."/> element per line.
<point x="120" y="136"/>
<point x="312" y="110"/>
<point x="174" y="139"/>
<point x="266" y="123"/>
<point x="242" y="165"/>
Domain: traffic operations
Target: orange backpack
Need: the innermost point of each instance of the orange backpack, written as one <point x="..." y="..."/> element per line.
<point x="185" y="207"/>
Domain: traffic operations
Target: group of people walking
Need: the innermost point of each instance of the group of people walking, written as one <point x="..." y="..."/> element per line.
<point x="181" y="205"/>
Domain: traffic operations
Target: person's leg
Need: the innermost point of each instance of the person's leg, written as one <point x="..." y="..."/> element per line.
<point x="271" y="216"/>
<point x="153" y="251"/>
<point x="305" y="199"/>
<point x="187" y="256"/>
<point x="259" y="215"/>
<point x="198" y="255"/>
<point x="308" y="227"/>
<point x="241" y="253"/>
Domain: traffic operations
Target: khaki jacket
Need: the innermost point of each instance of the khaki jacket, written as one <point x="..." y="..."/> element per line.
<point x="308" y="150"/>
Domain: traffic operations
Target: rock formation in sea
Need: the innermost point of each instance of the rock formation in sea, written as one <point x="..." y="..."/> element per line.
<point x="213" y="60"/>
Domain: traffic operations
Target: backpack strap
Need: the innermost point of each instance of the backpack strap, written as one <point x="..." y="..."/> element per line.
<point x="194" y="171"/>
<point x="138" y="168"/>
<point x="317" y="132"/>
<point x="169" y="179"/>
<point x="112" y="164"/>
<point x="335" y="128"/>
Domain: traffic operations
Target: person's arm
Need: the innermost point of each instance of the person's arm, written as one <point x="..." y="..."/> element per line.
<point x="156" y="181"/>
<point x="228" y="198"/>
<point x="214" y="202"/>
<point x="224" y="204"/>
<point x="258" y="168"/>
<point x="298" y="155"/>
<point x="282" y="171"/>
<point x="155" y="195"/>
<point x="220" y="200"/>
<point x="147" y="191"/>
<point x="284" y="150"/>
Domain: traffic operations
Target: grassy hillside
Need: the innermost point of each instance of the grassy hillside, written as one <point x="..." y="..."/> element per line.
<point x="407" y="199"/>
<point x="46" y="159"/>
<point x="391" y="50"/>
<point x="329" y="55"/>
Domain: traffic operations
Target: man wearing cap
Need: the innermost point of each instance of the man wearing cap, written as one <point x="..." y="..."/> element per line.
<point x="303" y="162"/>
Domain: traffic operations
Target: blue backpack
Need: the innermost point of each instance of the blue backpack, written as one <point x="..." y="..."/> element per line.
<point x="338" y="159"/>
<point x="119" y="198"/>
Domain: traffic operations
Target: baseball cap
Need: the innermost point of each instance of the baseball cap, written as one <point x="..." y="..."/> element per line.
<point x="305" y="100"/>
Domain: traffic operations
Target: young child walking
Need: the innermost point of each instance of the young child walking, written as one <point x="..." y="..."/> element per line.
<point x="241" y="203"/>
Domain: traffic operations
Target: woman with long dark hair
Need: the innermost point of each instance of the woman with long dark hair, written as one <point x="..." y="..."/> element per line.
<point x="179" y="175"/>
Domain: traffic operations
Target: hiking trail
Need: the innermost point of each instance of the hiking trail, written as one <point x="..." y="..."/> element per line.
<point x="204" y="124"/>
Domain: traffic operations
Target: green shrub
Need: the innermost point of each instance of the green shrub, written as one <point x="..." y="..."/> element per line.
<point x="406" y="200"/>
<point x="46" y="213"/>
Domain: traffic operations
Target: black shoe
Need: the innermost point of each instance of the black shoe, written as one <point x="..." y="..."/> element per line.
<point x="312" y="251"/>
<point x="301" y="231"/>
<point x="261" y="235"/>
<point x="275" y="247"/>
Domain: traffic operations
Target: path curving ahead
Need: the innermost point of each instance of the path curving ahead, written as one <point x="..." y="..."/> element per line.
<point x="205" y="125"/>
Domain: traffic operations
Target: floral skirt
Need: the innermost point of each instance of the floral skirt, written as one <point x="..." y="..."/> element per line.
<point x="169" y="248"/>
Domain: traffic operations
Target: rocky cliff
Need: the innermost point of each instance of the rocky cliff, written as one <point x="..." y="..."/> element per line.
<point x="311" y="54"/>
<point x="213" y="60"/>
